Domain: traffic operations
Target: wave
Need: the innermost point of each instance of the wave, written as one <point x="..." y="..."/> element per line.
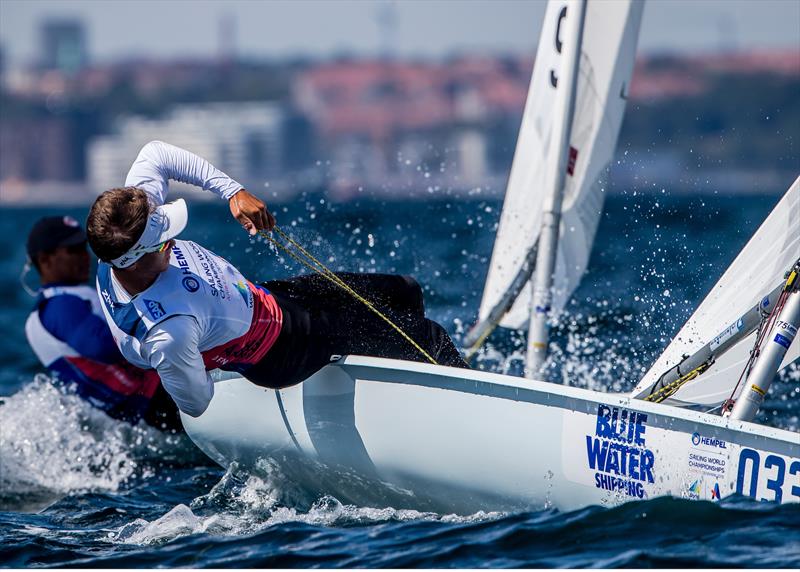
<point x="247" y="503"/>
<point x="250" y="528"/>
<point x="54" y="443"/>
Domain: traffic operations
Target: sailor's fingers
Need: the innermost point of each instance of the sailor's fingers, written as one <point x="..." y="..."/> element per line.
<point x="267" y="221"/>
<point x="243" y="219"/>
<point x="251" y="212"/>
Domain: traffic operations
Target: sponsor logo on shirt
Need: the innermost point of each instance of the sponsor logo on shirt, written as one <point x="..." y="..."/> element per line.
<point x="242" y="288"/>
<point x="155" y="309"/>
<point x="191" y="284"/>
<point x="109" y="301"/>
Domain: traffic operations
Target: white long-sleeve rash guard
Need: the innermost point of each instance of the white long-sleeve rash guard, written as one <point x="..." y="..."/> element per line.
<point x="172" y="346"/>
<point x="159" y="162"/>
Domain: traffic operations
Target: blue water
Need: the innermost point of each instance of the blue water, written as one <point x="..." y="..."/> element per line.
<point x="78" y="489"/>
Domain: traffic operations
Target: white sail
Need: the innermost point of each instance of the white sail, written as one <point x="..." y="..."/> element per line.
<point x="609" y="45"/>
<point x="759" y="268"/>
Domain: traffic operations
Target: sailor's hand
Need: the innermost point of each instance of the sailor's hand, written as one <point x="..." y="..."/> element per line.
<point x="251" y="212"/>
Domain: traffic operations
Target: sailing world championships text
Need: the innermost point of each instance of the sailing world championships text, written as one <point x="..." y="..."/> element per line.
<point x="617" y="451"/>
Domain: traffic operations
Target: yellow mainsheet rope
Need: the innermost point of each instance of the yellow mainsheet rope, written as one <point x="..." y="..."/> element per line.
<point x="472" y="351"/>
<point x="318" y="267"/>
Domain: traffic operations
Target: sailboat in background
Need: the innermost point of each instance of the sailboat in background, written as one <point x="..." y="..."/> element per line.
<point x="556" y="190"/>
<point x="381" y="432"/>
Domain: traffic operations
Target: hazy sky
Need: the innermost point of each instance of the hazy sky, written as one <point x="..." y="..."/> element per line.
<point x="275" y="28"/>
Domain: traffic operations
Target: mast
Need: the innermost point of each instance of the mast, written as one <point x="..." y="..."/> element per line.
<point x="573" y="16"/>
<point x="776" y="344"/>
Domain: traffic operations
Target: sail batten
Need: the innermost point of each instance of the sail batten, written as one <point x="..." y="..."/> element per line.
<point x="605" y="68"/>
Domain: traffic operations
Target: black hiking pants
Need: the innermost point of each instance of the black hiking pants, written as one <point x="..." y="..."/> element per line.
<point x="320" y="320"/>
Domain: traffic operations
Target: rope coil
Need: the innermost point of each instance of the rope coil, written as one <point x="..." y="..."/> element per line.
<point x="672" y="388"/>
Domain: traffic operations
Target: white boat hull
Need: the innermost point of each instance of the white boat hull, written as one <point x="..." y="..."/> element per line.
<point x="377" y="431"/>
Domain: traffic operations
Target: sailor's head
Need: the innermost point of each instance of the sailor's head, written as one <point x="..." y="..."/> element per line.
<point x="126" y="230"/>
<point x="56" y="248"/>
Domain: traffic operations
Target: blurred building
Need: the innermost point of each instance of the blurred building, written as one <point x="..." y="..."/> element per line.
<point x="63" y="45"/>
<point x="36" y="150"/>
<point x="254" y="143"/>
<point x="383" y="125"/>
<point x="378" y="120"/>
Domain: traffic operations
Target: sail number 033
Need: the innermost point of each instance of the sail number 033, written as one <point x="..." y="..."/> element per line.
<point x="775" y="469"/>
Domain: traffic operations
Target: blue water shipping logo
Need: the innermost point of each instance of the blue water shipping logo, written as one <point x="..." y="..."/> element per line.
<point x="155" y="309"/>
<point x="618" y="453"/>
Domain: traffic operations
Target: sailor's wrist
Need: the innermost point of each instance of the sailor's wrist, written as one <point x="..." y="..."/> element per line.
<point x="230" y="196"/>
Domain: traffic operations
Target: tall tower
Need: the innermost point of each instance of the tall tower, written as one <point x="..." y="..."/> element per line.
<point x="386" y="20"/>
<point x="386" y="16"/>
<point x="64" y="45"/>
<point x="226" y="31"/>
<point x="2" y="67"/>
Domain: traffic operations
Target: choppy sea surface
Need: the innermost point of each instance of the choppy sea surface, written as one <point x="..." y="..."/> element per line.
<point x="79" y="489"/>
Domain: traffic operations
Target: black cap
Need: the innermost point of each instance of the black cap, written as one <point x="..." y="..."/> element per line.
<point x="50" y="232"/>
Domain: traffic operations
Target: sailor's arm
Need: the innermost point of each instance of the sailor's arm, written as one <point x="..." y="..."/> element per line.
<point x="171" y="347"/>
<point x="159" y="162"/>
<point x="71" y="320"/>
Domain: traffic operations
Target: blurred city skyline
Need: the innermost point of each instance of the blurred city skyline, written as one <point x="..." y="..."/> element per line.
<point x="323" y="29"/>
<point x="386" y="109"/>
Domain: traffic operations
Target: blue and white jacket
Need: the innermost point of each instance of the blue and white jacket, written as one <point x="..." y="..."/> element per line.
<point x="68" y="333"/>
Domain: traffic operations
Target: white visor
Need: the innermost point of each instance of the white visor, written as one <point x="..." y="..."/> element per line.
<point x="165" y="223"/>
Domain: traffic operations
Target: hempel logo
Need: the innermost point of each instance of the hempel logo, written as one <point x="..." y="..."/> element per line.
<point x="698" y="439"/>
<point x="191" y="284"/>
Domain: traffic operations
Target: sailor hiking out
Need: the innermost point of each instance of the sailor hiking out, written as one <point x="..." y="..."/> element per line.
<point x="180" y="309"/>
<point x="67" y="331"/>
